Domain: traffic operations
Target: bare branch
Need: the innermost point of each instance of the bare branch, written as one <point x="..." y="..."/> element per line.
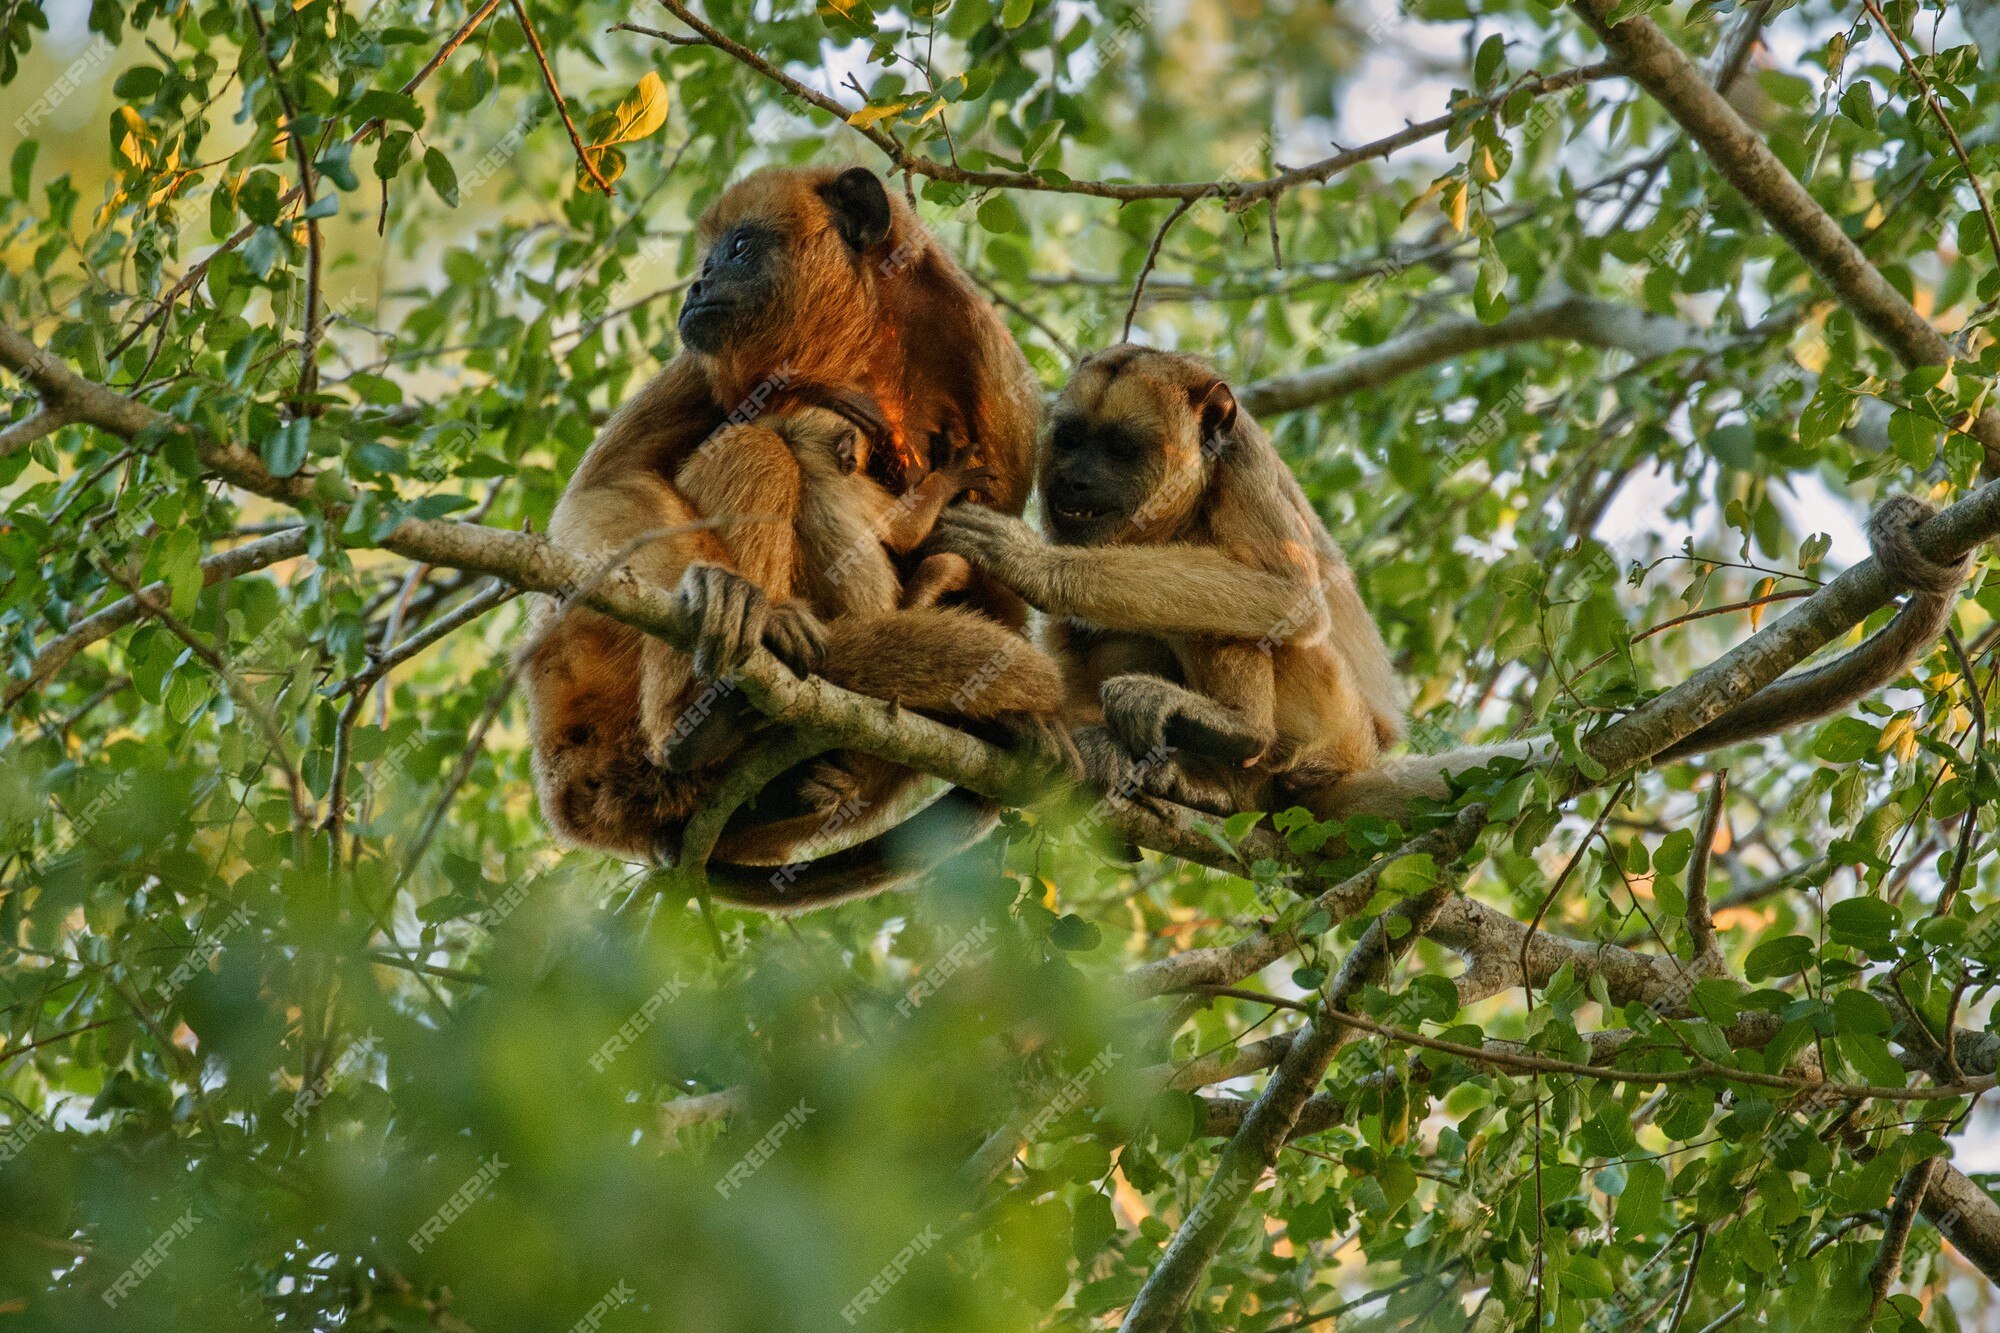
<point x="25" y="432"/>
<point x="1700" y="924"/>
<point x="562" y="108"/>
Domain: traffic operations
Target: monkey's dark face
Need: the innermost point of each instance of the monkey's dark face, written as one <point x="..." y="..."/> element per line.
<point x="1096" y="477"/>
<point x="741" y="277"/>
<point x="786" y="250"/>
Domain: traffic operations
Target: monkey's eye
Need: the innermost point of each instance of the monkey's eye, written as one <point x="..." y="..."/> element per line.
<point x="740" y="246"/>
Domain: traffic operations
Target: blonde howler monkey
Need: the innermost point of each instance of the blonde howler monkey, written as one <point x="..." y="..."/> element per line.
<point x="1209" y="631"/>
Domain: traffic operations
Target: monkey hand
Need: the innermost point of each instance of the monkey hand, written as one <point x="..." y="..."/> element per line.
<point x="796" y="636"/>
<point x="1000" y="544"/>
<point x="729" y="614"/>
<point x="956" y="461"/>
<point x="1153" y="719"/>
<point x="1157" y="783"/>
<point x="732" y="616"/>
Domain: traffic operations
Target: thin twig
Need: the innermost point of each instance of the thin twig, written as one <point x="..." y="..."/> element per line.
<point x="562" y="107"/>
<point x="1700" y="924"/>
<point x="1152" y="257"/>
<point x="1240" y="194"/>
<point x="1569" y="867"/>
<point x="1957" y="146"/>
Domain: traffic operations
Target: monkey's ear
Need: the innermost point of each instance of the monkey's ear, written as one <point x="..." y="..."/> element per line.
<point x="860" y="206"/>
<point x="1216" y="405"/>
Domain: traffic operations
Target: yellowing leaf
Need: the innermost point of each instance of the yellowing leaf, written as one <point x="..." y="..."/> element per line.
<point x="1763" y="589"/>
<point x="641" y="113"/>
<point x="868" y="115"/>
<point x="1457" y="203"/>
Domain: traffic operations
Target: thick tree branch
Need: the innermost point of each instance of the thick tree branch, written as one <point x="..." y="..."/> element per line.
<point x="1740" y="154"/>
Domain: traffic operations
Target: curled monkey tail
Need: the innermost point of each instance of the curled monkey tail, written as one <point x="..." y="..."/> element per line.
<point x="1389" y="788"/>
<point x="939" y="831"/>
<point x="1871" y="665"/>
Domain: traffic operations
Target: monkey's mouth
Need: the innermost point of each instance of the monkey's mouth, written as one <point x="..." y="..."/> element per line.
<point x="705" y="325"/>
<point x="1080" y="515"/>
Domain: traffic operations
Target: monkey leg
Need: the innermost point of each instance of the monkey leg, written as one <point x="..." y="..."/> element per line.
<point x="1151" y="716"/>
<point x="937" y="576"/>
<point x="579" y="667"/>
<point x="956" y="664"/>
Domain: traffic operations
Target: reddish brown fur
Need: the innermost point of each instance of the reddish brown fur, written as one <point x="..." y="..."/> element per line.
<point x="900" y="324"/>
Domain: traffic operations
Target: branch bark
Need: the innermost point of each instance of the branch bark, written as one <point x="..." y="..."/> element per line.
<point x="1163" y="1300"/>
<point x="1593" y="322"/>
<point x="1740" y="154"/>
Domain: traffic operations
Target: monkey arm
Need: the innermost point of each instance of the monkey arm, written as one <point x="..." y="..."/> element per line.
<point x="1172" y="588"/>
<point x="910" y="520"/>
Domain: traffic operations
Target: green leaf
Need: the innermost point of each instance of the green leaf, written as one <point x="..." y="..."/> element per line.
<point x="1092" y="1225"/>
<point x="180" y="565"/>
<point x="21" y="167"/>
<point x="1872" y="1059"/>
<point x="1781" y="957"/>
<point x="1846" y="739"/>
<point x="1863" y="923"/>
<point x="1074" y="934"/>
<point x="1015" y="12"/>
<point x="998" y="213"/>
<point x="1487" y="64"/>
<point x="437" y="170"/>
<point x="1674" y="852"/>
<point x="1409" y="874"/>
<point x="284" y="449"/>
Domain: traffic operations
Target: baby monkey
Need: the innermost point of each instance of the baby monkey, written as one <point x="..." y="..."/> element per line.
<point x="849" y="533"/>
<point x="851" y="530"/>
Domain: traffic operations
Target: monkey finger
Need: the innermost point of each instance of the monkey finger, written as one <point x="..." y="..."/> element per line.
<point x="797" y="636"/>
<point x="747" y="627"/>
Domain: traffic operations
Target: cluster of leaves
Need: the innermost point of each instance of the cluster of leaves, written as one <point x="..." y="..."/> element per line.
<point x="401" y="1062"/>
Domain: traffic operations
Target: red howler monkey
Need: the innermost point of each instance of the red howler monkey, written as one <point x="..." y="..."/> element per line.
<point x="813" y="281"/>
<point x="1199" y="605"/>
